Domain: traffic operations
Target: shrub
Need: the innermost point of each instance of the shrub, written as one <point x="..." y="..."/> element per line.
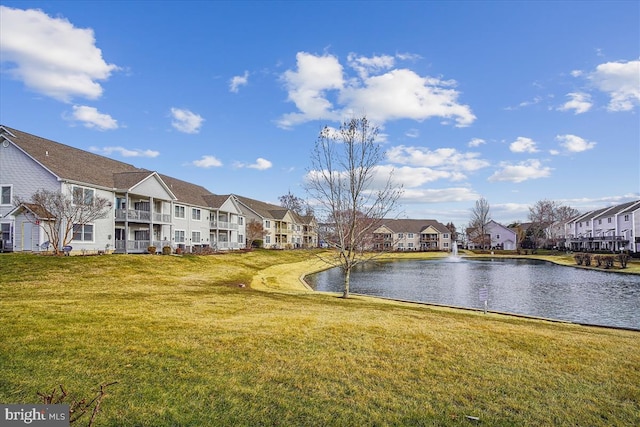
<point x="586" y="259"/>
<point x="179" y="251"/>
<point x="599" y="260"/>
<point x="166" y="250"/>
<point x="608" y="260"/>
<point x="623" y="259"/>
<point x="579" y="259"/>
<point x="151" y="250"/>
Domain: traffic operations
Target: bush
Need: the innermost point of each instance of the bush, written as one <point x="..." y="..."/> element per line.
<point x="599" y="260"/>
<point x="579" y="259"/>
<point x="151" y="250"/>
<point x="166" y="250"/>
<point x="623" y="259"/>
<point x="608" y="260"/>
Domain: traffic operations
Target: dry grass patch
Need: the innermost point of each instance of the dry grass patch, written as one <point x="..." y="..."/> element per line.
<point x="189" y="347"/>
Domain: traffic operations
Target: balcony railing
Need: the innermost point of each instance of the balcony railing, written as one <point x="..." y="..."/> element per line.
<point x="223" y="225"/>
<point x="143" y="216"/>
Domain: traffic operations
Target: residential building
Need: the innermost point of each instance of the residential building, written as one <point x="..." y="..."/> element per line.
<point x="615" y="228"/>
<point x="412" y="235"/>
<point x="497" y="236"/>
<point x="146" y="208"/>
<point x="284" y="228"/>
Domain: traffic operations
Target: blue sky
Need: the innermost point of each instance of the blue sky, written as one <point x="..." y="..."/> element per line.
<point x="511" y="101"/>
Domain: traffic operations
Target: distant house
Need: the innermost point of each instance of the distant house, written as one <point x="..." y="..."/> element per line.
<point x="412" y="235"/>
<point x="284" y="228"/>
<point x="497" y="236"/>
<point x="147" y="208"/>
<point x="614" y="228"/>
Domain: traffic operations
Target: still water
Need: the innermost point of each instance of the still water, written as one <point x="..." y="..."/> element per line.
<point x="530" y="287"/>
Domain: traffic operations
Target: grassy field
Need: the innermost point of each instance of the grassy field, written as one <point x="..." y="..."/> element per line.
<point x="190" y="346"/>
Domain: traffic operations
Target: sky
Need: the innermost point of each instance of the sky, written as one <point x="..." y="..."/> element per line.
<point x="513" y="102"/>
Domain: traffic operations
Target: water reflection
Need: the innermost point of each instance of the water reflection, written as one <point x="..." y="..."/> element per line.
<point x="530" y="287"/>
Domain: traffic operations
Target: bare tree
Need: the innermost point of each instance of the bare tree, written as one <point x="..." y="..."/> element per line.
<point x="480" y="217"/>
<point x="254" y="231"/>
<point x="60" y="215"/>
<point x="296" y="204"/>
<point x="343" y="179"/>
<point x="547" y="219"/>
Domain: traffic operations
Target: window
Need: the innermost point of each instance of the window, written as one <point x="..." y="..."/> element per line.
<point x="5" y="233"/>
<point x="82" y="196"/>
<point x="240" y="220"/>
<point x="410" y="235"/>
<point x="267" y="224"/>
<point x="179" y="212"/>
<point x="497" y="236"/>
<point x="141" y="235"/>
<point x="400" y="235"/>
<point x="400" y="245"/>
<point x="83" y="232"/>
<point x="445" y="236"/>
<point x="410" y="245"/>
<point x="5" y="195"/>
<point x="179" y="235"/>
<point x="195" y="214"/>
<point x="267" y="239"/>
<point x="195" y="237"/>
<point x="609" y="220"/>
<point x="626" y="217"/>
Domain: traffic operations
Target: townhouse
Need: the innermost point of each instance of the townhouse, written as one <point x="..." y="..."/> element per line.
<point x="615" y="228"/>
<point x="412" y="235"/>
<point x="496" y="236"/>
<point x="145" y="208"/>
<point x="283" y="228"/>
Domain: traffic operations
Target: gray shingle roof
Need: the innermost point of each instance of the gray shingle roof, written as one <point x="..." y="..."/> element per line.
<point x="413" y="225"/>
<point x="73" y="164"/>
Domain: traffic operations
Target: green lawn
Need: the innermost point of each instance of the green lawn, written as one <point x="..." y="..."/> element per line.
<point x="189" y="346"/>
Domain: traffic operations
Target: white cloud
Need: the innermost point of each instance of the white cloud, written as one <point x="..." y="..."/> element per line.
<point x="237" y="81"/>
<point x="412" y="133"/>
<point x="207" y="162"/>
<point x="92" y="118"/>
<point x="308" y="85"/>
<point x="442" y="158"/>
<point x="575" y="144"/>
<point x="260" y="164"/>
<point x="395" y="94"/>
<point x="364" y="66"/>
<point x="621" y="81"/>
<point x="476" y="142"/>
<point x="403" y="94"/>
<point x="186" y="121"/>
<point x="523" y="145"/>
<point x="441" y="195"/>
<point x="579" y="102"/>
<point x="523" y="171"/>
<point x="125" y="152"/>
<point x="51" y="56"/>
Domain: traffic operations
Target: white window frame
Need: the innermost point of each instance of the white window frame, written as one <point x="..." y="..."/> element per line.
<point x="410" y="235"/>
<point x="196" y="237"/>
<point x="83" y="233"/>
<point x="179" y="209"/>
<point x="267" y="224"/>
<point x="85" y="192"/>
<point x="179" y="236"/>
<point x="196" y="214"/>
<point x="2" y="189"/>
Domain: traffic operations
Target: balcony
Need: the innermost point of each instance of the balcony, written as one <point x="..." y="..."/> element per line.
<point x="135" y="215"/>
<point x="137" y="246"/>
<point x="223" y="225"/>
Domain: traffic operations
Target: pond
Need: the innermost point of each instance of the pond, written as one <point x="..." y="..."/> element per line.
<point x="521" y="286"/>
